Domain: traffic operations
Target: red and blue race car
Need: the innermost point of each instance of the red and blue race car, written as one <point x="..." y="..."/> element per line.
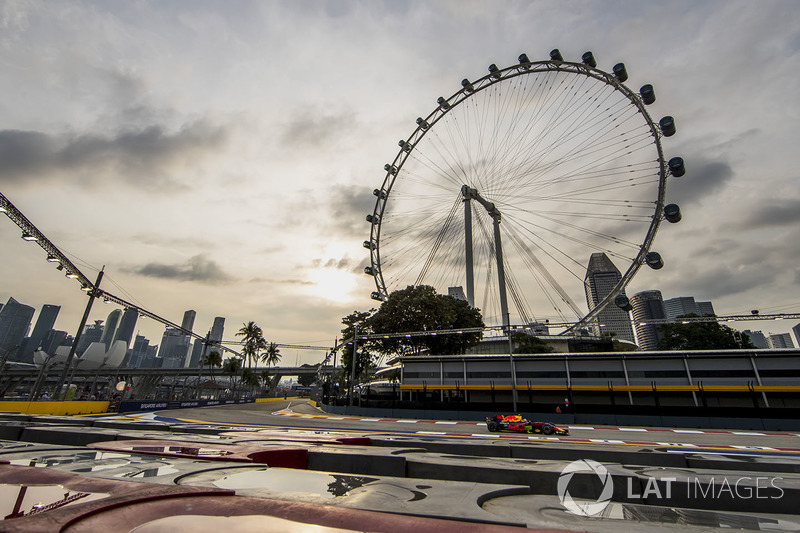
<point x="523" y="425"/>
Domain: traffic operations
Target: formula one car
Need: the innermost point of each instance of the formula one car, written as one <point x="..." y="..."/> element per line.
<point x="522" y="425"/>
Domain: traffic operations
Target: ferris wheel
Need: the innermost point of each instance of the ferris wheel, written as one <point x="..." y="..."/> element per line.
<point x="509" y="185"/>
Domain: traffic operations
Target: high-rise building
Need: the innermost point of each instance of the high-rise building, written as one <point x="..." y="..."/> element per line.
<point x="601" y="278"/>
<point x="796" y="331"/>
<point x="457" y="293"/>
<point x="681" y="306"/>
<point x="188" y="319"/>
<point x="111" y="327"/>
<point x="215" y="336"/>
<point x="705" y="308"/>
<point x="686" y="305"/>
<point x="127" y="326"/>
<point x="777" y="341"/>
<point x="173" y="348"/>
<point x="91" y="333"/>
<point x="44" y="324"/>
<point x="647" y="306"/>
<point x="53" y="340"/>
<point x="15" y="321"/>
<point x="757" y="339"/>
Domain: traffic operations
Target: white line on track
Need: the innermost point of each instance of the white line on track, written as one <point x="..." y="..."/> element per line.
<point x="623" y="429"/>
<point x="692" y="431"/>
<point x="448" y="423"/>
<point x="748" y="434"/>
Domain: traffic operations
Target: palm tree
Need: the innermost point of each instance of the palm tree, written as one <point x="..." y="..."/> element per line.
<point x="265" y="377"/>
<point x="273" y="354"/>
<point x="250" y="379"/>
<point x="211" y="360"/>
<point x="231" y="367"/>
<point x="253" y="338"/>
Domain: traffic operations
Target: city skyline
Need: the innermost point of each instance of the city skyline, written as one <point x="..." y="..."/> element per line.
<point x="223" y="159"/>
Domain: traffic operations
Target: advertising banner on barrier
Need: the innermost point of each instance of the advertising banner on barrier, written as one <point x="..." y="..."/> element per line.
<point x="157" y="405"/>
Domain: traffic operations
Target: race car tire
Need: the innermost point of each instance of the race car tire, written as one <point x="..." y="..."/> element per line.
<point x="547" y="429"/>
<point x="492" y="426"/>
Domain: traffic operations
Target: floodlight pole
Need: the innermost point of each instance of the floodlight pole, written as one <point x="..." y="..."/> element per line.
<point x="93" y="293"/>
<point x="353" y="371"/>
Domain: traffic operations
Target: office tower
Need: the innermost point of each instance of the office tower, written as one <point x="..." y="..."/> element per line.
<point x="217" y="329"/>
<point x="705" y="308"/>
<point x="173" y="348"/>
<point x="601" y="277"/>
<point x="15" y="321"/>
<point x="757" y="339"/>
<point x="647" y="306"/>
<point x="457" y="293"/>
<point x="44" y="324"/>
<point x="53" y="340"/>
<point x="91" y="333"/>
<point x="188" y="320"/>
<point x="796" y="331"/>
<point x="777" y="341"/>
<point x="127" y="326"/>
<point x="686" y="305"/>
<point x="214" y="336"/>
<point x="111" y="327"/>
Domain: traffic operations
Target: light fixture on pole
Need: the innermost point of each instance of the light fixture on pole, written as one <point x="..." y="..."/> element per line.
<point x="52" y="259"/>
<point x="27" y="236"/>
<point x="72" y="275"/>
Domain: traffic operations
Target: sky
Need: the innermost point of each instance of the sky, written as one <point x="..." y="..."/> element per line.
<point x="221" y="156"/>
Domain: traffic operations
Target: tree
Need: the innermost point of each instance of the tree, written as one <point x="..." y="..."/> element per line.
<point x="273" y="354"/>
<point x="525" y="343"/>
<point x="253" y="338"/>
<point x="211" y="360"/>
<point x="701" y="336"/>
<point x="250" y="379"/>
<point x="306" y="380"/>
<point x="231" y="367"/>
<point x="421" y="309"/>
<point x="365" y="359"/>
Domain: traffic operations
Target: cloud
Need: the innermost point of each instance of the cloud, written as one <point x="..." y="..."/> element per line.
<point x="197" y="268"/>
<point x="313" y="130"/>
<point x="702" y="179"/>
<point x="774" y="212"/>
<point x="140" y="158"/>
<point x="349" y="204"/>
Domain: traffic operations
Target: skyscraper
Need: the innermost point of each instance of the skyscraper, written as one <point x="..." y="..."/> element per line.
<point x="757" y="339"/>
<point x="777" y="341"/>
<point x="111" y="327"/>
<point x="127" y="326"/>
<point x="601" y="278"/>
<point x="188" y="319"/>
<point x="15" y="321"/>
<point x="44" y="324"/>
<point x="796" y="331"/>
<point x="215" y="336"/>
<point x="686" y="305"/>
<point x="647" y="306"/>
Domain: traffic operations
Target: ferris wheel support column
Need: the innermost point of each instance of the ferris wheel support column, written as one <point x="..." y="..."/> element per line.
<point x="468" y="246"/>
<point x="501" y="272"/>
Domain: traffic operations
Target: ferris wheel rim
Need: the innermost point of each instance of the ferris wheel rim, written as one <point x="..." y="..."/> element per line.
<point x="471" y="89"/>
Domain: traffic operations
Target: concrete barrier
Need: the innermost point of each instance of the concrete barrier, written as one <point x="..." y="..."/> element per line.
<point x="55" y="408"/>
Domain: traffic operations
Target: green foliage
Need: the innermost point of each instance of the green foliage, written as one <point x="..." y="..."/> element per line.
<point x="365" y="360"/>
<point x="421" y="309"/>
<point x="212" y="359"/>
<point x="273" y="354"/>
<point x="701" y="336"/>
<point x="232" y="365"/>
<point x="254" y="342"/>
<point x="524" y="343"/>
<point x="306" y="380"/>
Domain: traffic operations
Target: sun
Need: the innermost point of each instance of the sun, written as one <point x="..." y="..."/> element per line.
<point x="333" y="284"/>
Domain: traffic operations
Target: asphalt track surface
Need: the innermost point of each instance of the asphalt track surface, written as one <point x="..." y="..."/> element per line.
<point x="299" y="414"/>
